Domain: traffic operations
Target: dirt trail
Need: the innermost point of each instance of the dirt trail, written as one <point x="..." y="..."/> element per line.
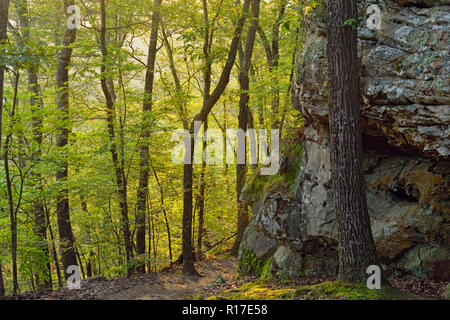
<point x="173" y="285"/>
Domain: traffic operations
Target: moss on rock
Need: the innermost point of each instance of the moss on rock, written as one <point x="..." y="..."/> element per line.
<point x="250" y="263"/>
<point x="258" y="186"/>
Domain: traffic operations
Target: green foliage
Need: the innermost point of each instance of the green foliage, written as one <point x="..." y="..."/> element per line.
<point x="351" y="22"/>
<point x="94" y="203"/>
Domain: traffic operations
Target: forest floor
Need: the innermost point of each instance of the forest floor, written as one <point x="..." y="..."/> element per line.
<point x="218" y="281"/>
<point x="168" y="284"/>
<point x="171" y="284"/>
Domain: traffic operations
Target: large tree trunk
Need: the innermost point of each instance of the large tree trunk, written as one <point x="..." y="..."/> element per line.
<point x="144" y="154"/>
<point x="188" y="262"/>
<point x="66" y="237"/>
<point x="244" y="83"/>
<point x="108" y="91"/>
<point x="35" y="104"/>
<point x="356" y="245"/>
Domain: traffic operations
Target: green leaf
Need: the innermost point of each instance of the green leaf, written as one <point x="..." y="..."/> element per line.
<point x="350" y="22"/>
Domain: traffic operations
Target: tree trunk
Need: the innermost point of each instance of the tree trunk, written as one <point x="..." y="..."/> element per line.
<point x="89" y="268"/>
<point x="273" y="57"/>
<point x="149" y="230"/>
<point x="66" y="237"/>
<point x="4" y="8"/>
<point x="180" y="102"/>
<point x="40" y="225"/>
<point x="188" y="262"/>
<point x="144" y="154"/>
<point x="275" y="64"/>
<point x="224" y="130"/>
<point x="53" y="246"/>
<point x="80" y="262"/>
<point x="2" y="284"/>
<point x="36" y="105"/>
<point x="356" y="245"/>
<point x="244" y="83"/>
<point x="207" y="74"/>
<point x="40" y="229"/>
<point x="118" y="165"/>
<point x="99" y="273"/>
<point x="9" y="188"/>
<point x="201" y="204"/>
<point x="169" y="236"/>
<point x="291" y="77"/>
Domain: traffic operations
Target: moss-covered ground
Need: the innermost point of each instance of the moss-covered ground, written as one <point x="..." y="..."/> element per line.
<point x="329" y="290"/>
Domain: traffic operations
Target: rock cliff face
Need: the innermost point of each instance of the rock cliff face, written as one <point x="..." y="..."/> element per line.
<point x="405" y="112"/>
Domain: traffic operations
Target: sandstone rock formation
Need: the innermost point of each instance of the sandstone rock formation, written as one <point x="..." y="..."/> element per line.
<point x="405" y="112"/>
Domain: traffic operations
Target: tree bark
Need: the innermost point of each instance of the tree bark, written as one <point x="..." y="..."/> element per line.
<point x="356" y="245"/>
<point x="244" y="83"/>
<point x="66" y="237"/>
<point x="144" y="154"/>
<point x="188" y="262"/>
